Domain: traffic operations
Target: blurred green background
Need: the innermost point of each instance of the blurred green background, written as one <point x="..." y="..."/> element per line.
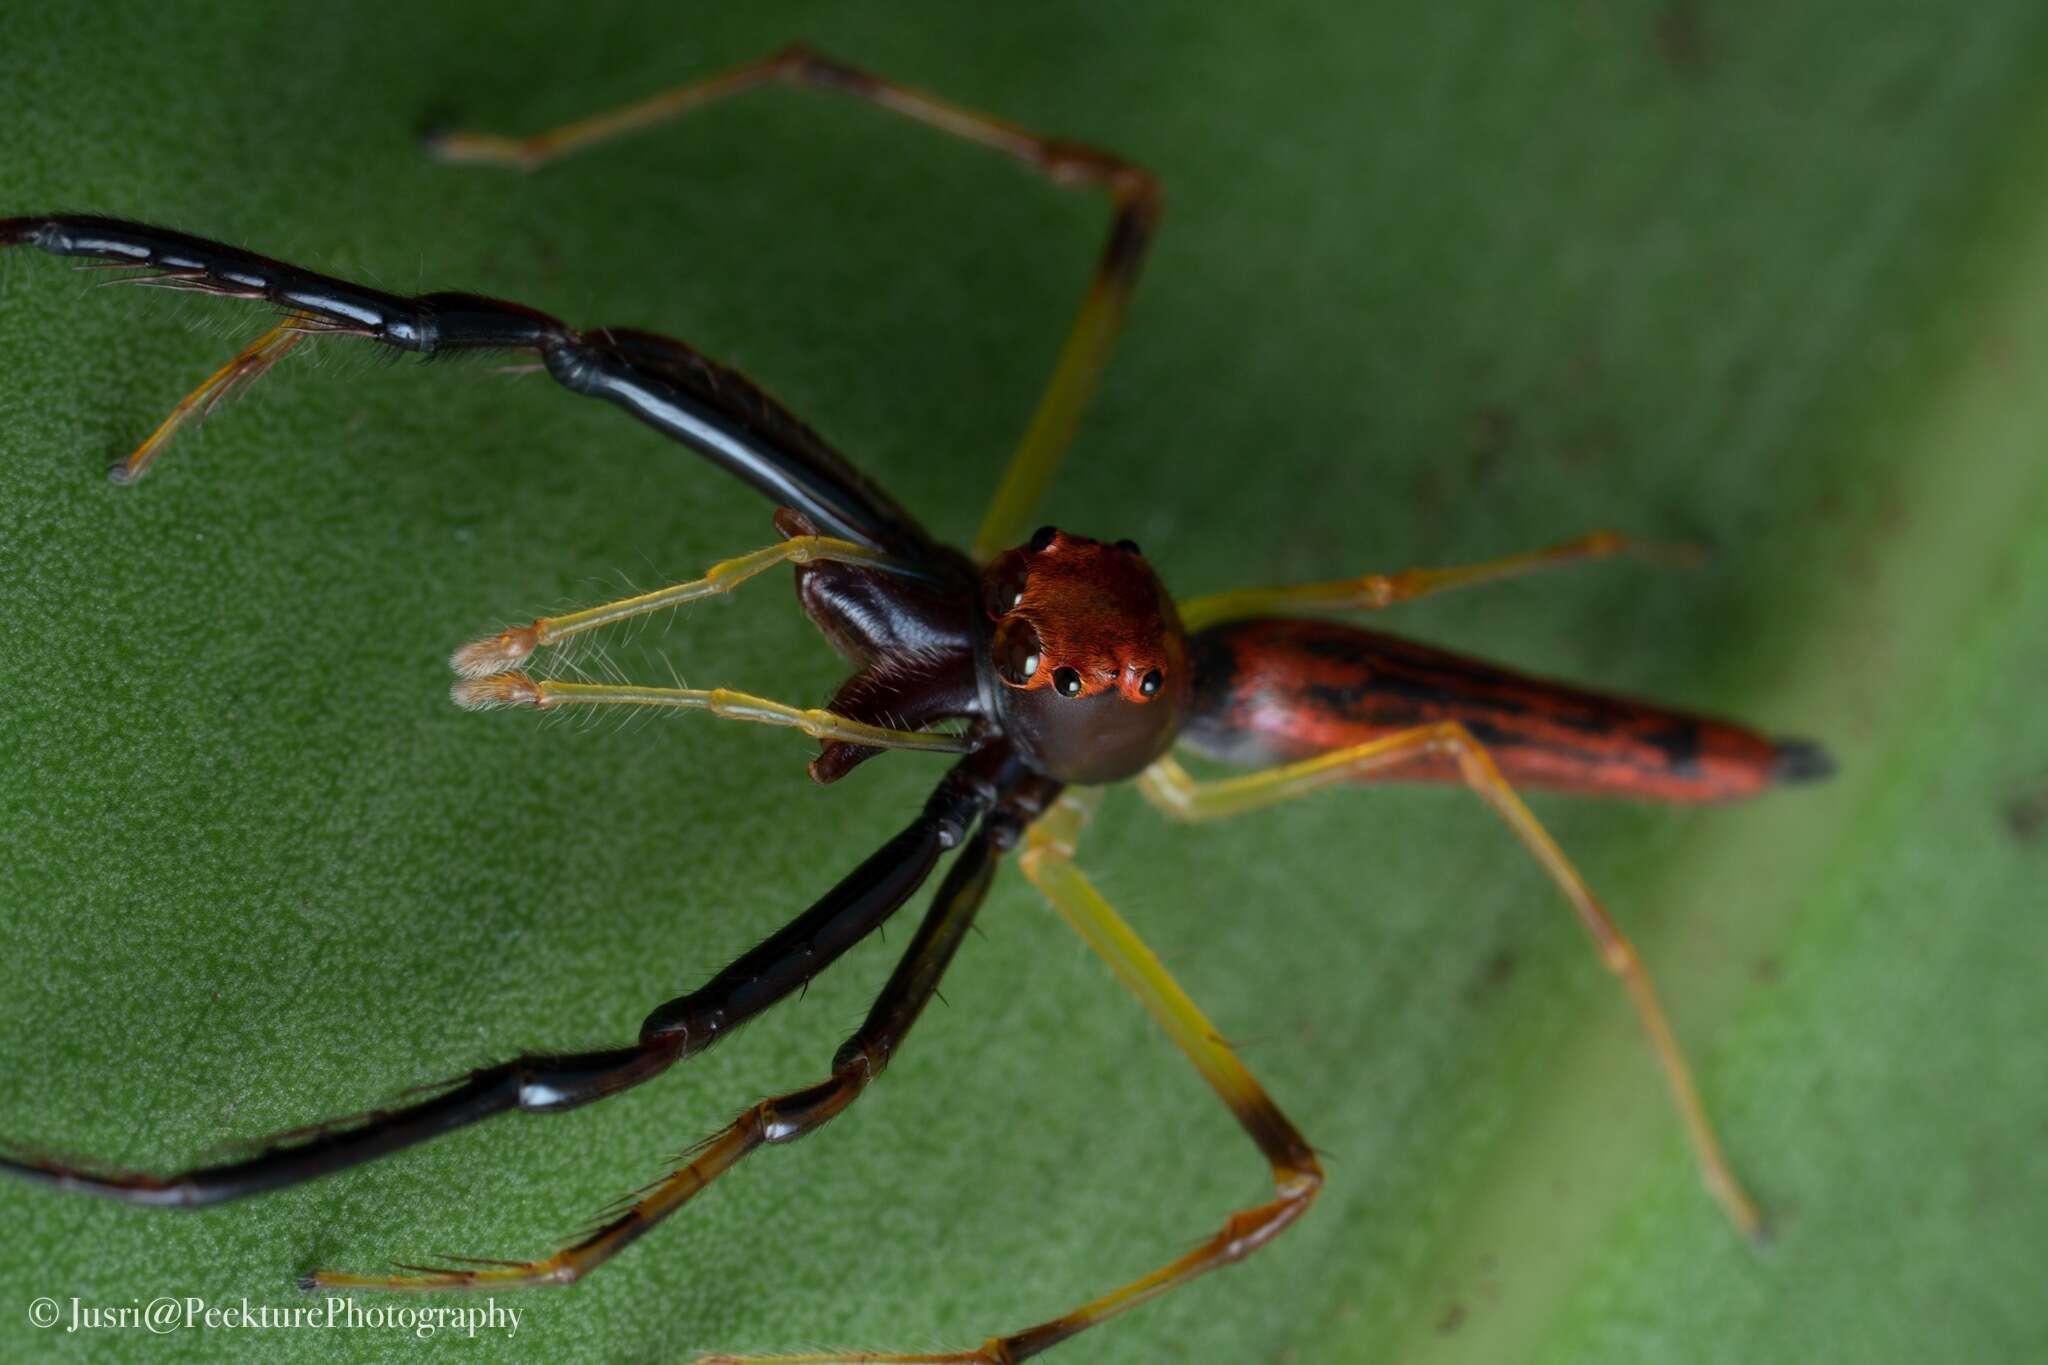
<point x="1436" y="283"/>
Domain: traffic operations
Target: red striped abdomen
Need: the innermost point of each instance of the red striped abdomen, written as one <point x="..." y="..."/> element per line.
<point x="1269" y="691"/>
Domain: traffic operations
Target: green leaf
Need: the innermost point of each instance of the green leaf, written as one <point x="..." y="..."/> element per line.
<point x="1436" y="284"/>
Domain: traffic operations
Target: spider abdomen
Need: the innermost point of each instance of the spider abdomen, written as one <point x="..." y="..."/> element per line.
<point x="1275" y="690"/>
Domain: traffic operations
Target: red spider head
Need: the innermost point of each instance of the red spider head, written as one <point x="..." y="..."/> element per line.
<point x="1086" y="660"/>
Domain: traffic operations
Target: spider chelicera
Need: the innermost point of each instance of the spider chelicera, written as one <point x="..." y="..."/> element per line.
<point x="1053" y="663"/>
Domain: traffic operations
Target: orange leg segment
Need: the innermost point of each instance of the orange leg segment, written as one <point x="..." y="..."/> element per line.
<point x="1048" y="862"/>
<point x="1374" y="592"/>
<point x="244" y="370"/>
<point x="1169" y="786"/>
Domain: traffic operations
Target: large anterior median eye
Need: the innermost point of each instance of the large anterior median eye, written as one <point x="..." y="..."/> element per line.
<point x="1015" y="652"/>
<point x="1149" y="684"/>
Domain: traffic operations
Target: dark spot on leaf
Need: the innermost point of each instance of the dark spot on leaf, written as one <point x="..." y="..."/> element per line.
<point x="2026" y="815"/>
<point x="1493" y="431"/>
<point x="1680" y="39"/>
<point x="1493" y="974"/>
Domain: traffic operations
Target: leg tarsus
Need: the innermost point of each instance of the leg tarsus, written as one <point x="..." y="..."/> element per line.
<point x="245" y="369"/>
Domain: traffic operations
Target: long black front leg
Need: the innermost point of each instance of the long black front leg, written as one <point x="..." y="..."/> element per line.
<point x="715" y="411"/>
<point x="775" y="1121"/>
<point x="550" y="1082"/>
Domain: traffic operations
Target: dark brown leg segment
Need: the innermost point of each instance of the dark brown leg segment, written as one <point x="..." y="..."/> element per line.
<point x="1296" y="1176"/>
<point x="549" y="1083"/>
<point x="784" y="1118"/>
<point x="1132" y="190"/>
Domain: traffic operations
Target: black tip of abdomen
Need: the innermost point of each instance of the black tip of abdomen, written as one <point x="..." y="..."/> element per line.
<point x="1801" y="760"/>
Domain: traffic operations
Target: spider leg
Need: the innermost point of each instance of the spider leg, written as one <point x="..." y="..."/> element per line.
<point x="714" y="410"/>
<point x="1170" y="788"/>
<point x="1372" y="592"/>
<point x="244" y="370"/>
<point x="509" y="648"/>
<point x="1048" y="862"/>
<point x="550" y="1082"/>
<point x="517" y="689"/>
<point x="1085" y="354"/>
<point x="781" y="1119"/>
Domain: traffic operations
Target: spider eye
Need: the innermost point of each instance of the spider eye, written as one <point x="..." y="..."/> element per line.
<point x="1130" y="546"/>
<point x="1016" y="653"/>
<point x="1041" y="539"/>
<point x="1066" y="682"/>
<point x="1149" y="684"/>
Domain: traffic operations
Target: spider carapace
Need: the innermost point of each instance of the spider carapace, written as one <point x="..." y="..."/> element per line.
<point x="1052" y="663"/>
